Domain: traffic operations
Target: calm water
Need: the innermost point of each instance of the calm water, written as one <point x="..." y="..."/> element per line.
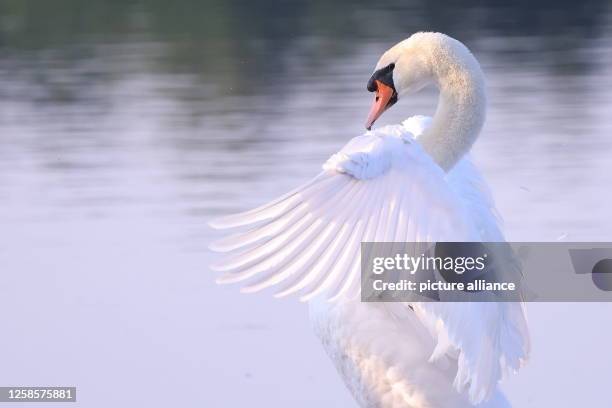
<point x="126" y="126"/>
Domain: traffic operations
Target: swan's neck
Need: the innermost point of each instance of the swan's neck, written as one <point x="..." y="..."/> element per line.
<point x="460" y="113"/>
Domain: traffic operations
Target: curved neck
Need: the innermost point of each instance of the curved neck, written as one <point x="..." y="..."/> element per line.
<point x="460" y="113"/>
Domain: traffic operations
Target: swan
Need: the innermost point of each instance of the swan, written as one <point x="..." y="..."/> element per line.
<point x="408" y="182"/>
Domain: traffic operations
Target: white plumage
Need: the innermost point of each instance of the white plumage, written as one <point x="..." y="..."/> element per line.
<point x="386" y="186"/>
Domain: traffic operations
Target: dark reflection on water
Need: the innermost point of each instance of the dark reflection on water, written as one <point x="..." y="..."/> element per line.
<point x="126" y="125"/>
<point x="226" y="92"/>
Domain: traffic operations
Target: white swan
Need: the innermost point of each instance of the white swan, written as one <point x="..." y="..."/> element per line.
<point x="408" y="182"/>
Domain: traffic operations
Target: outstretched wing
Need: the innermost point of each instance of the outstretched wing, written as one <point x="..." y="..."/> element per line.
<point x="308" y="241"/>
<point x="380" y="189"/>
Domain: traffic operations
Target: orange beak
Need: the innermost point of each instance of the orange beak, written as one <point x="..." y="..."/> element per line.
<point x="384" y="94"/>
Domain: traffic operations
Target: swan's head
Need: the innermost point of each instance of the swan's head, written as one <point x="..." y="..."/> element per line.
<point x="403" y="69"/>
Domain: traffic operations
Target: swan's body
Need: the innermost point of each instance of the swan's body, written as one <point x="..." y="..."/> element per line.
<point x="408" y="182"/>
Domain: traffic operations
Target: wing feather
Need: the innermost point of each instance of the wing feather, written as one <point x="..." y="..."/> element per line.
<point x="337" y="265"/>
<point x="353" y="261"/>
<point x="320" y="246"/>
<point x="255" y="255"/>
<point x="324" y="182"/>
<point x="262" y="234"/>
